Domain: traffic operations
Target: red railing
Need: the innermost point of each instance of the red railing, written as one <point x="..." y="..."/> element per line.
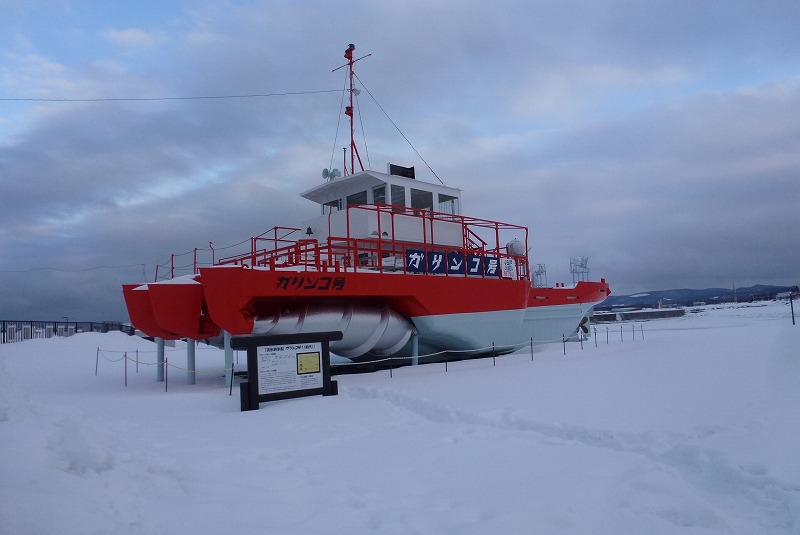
<point x="287" y="247"/>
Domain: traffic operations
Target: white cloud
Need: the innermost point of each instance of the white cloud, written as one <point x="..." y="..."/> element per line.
<point x="572" y="91"/>
<point x="133" y="37"/>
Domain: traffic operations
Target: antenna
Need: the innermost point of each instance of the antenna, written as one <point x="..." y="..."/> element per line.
<point x="348" y="54"/>
<point x="579" y="266"/>
<point x="540" y="276"/>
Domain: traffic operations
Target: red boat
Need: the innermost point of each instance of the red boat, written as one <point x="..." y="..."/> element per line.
<point x="391" y="263"/>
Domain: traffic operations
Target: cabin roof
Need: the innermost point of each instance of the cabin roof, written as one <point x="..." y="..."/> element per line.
<point x="342" y="187"/>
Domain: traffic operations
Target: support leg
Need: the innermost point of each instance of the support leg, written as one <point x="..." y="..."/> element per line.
<point x="228" y="358"/>
<point x="160" y="360"/>
<point x="191" y="377"/>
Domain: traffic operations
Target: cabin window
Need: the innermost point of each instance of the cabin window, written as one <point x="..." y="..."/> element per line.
<point x="448" y="204"/>
<point x="379" y="195"/>
<point x="398" y="195"/>
<point x="332" y="206"/>
<point x="421" y="199"/>
<point x="357" y="198"/>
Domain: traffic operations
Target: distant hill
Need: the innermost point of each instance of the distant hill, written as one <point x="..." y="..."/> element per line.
<point x="687" y="297"/>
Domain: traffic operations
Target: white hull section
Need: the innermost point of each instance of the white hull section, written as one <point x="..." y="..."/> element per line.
<point x="549" y="324"/>
<point x="373" y="332"/>
<point x="508" y="330"/>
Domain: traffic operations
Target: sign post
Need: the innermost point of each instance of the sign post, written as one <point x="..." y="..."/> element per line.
<point x="286" y="366"/>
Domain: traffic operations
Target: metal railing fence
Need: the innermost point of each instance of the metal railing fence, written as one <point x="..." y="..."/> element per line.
<point x="21" y="330"/>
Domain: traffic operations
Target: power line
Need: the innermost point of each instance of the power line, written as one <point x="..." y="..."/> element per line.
<point x="148" y="99"/>
<point x="68" y="270"/>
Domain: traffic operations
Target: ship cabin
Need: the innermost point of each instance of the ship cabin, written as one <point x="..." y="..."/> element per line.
<point x="393" y="222"/>
<point x="398" y="188"/>
<point x="351" y="204"/>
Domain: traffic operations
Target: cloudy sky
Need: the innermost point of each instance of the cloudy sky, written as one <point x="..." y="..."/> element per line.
<point x="659" y="138"/>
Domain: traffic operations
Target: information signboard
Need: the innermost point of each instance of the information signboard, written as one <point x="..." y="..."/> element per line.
<point x="286" y="366"/>
<point x="289" y="367"/>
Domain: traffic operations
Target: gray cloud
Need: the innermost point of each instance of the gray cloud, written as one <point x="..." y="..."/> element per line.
<point x="661" y="140"/>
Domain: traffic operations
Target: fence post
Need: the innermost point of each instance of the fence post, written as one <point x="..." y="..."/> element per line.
<point x="564" y="343"/>
<point x="96" y="361"/>
<point x="125" y="356"/>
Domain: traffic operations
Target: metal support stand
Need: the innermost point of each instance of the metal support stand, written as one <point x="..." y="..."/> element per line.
<point x="191" y="376"/>
<point x="226" y="343"/>
<point x="160" y="360"/>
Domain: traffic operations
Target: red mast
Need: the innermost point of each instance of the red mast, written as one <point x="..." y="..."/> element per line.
<point x="348" y="54"/>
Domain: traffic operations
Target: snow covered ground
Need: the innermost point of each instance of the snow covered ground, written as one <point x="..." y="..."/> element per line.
<point x="695" y="429"/>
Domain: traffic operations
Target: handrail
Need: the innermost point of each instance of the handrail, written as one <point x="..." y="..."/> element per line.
<point x="470" y="239"/>
<point x="275" y="240"/>
<point x="277" y="248"/>
<point x="342" y="253"/>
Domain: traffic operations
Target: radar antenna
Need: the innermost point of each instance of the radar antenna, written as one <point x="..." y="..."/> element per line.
<point x="579" y="266"/>
<point x="540" y="276"/>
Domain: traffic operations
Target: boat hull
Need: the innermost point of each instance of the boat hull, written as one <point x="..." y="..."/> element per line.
<point x="447" y="313"/>
<point x="237" y="295"/>
<point x="180" y="307"/>
<point x="140" y="311"/>
<point x="378" y="313"/>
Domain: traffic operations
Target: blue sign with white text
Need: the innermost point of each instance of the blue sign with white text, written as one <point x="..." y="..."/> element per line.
<point x="436" y="263"/>
<point x="456" y="263"/>
<point x="453" y="262"/>
<point x="415" y="261"/>
<point x="491" y="266"/>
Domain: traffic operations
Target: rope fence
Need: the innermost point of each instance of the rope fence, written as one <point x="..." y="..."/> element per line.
<point x="115" y="356"/>
<point x="106" y="355"/>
